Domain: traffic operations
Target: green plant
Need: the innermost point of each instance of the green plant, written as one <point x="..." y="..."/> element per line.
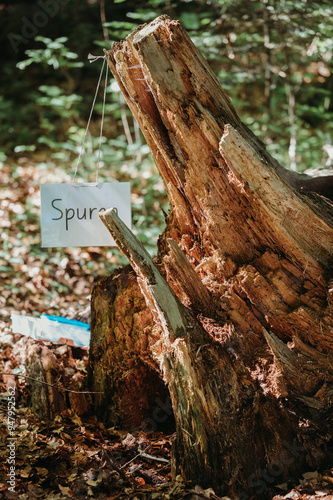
<point x="56" y="105"/>
<point x="55" y="54"/>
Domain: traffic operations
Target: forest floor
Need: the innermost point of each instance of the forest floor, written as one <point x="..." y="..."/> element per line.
<point x="73" y="455"/>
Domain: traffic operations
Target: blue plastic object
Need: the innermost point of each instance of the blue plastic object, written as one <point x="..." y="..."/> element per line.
<point x="72" y="322"/>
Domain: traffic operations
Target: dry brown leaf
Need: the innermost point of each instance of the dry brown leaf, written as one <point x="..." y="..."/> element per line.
<point x="65" y="490"/>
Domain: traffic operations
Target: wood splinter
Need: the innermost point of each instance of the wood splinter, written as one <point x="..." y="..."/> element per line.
<point x="158" y="294"/>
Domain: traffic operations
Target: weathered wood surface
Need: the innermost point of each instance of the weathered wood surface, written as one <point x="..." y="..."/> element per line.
<point x="51" y="389"/>
<point x="121" y="363"/>
<point x="250" y="372"/>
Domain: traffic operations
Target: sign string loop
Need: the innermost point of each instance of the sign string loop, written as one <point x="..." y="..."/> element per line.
<point x="92" y="59"/>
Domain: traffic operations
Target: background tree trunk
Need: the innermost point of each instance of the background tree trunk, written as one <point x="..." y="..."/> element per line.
<point x="235" y="315"/>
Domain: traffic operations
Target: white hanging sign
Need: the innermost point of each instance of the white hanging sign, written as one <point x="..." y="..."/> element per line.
<point x="69" y="213"/>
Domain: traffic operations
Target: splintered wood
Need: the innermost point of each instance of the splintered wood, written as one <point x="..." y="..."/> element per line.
<point x="238" y="302"/>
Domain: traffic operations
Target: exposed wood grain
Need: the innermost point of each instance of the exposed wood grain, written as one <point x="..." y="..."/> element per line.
<point x="166" y="305"/>
<point x="239" y="320"/>
<point x="187" y="282"/>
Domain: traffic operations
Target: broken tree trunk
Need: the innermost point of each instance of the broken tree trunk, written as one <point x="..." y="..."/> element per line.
<point x="235" y="315"/>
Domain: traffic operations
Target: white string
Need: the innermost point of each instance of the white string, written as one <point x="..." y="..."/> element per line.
<point x="102" y="122"/>
<point x="93" y="59"/>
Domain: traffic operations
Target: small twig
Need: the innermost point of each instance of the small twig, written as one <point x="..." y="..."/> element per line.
<point x="146" y="455"/>
<point x="52" y="385"/>
<point x="136" y="456"/>
<point x="137" y="140"/>
<point x="103" y="21"/>
<point x="157" y="459"/>
<point x="125" y="121"/>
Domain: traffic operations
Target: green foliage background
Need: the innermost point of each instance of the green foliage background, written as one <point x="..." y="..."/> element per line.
<point x="273" y="57"/>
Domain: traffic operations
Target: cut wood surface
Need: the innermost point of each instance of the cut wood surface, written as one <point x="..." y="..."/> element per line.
<point x="235" y="314"/>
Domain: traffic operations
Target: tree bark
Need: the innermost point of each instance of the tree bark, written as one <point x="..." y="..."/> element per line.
<point x="235" y="315"/>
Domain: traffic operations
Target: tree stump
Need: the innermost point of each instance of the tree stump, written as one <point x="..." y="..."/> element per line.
<point x="41" y="364"/>
<point x="235" y="315"/>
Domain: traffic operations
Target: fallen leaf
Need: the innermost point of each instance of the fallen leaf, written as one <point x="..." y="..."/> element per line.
<point x="57" y="431"/>
<point x="71" y="478"/>
<point x="90" y="482"/>
<point x="65" y="490"/>
<point x="310" y="475"/>
<point x="41" y="471"/>
<point x="53" y="444"/>
<point x="25" y="472"/>
<point x="328" y="479"/>
<point x="282" y="486"/>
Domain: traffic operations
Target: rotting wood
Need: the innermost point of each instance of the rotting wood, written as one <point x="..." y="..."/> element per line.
<point x="188" y="284"/>
<point x="183" y="340"/>
<point x="308" y="235"/>
<point x="165" y="305"/>
<point x="41" y="364"/>
<point x="251" y="380"/>
<point x="124" y="335"/>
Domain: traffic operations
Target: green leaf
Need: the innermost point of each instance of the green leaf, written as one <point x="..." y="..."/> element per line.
<point x="23" y="64"/>
<point x="43" y="39"/>
<point x="71" y="55"/>
<point x="50" y="90"/>
<point x="147" y="15"/>
<point x="62" y="39"/>
<point x="190" y="20"/>
<point x="21" y="148"/>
